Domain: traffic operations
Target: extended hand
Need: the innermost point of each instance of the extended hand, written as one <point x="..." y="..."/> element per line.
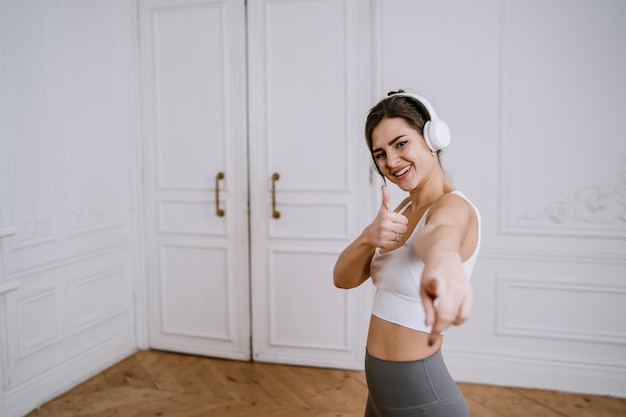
<point x="446" y="283"/>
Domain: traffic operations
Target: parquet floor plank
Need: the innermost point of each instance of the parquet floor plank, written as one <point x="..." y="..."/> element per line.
<point x="110" y="398"/>
<point x="580" y="405"/>
<point x="128" y="372"/>
<point x="171" y="372"/>
<point x="249" y="390"/>
<point x="216" y="383"/>
<point x="163" y="384"/>
<point x="324" y="389"/>
<point x="241" y="409"/>
<point x="273" y="388"/>
<point x="479" y="410"/>
<point x="508" y="402"/>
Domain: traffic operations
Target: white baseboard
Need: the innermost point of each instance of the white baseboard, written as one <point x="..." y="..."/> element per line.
<point x="23" y="398"/>
<point x="515" y="371"/>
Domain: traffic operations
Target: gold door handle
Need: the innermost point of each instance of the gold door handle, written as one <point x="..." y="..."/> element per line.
<point x="218" y="210"/>
<point x="275" y="177"/>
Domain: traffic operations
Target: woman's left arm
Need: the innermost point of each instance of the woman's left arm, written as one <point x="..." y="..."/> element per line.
<point x="439" y="245"/>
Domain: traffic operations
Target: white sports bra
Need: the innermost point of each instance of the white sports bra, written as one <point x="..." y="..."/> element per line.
<point x="397" y="276"/>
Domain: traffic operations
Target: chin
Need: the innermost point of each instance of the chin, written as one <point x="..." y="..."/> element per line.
<point x="402" y="186"/>
<point x="408" y="186"/>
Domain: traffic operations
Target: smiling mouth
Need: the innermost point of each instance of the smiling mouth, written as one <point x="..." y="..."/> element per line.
<point x="404" y="171"/>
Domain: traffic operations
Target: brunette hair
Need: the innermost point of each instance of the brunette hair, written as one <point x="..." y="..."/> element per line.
<point x="412" y="111"/>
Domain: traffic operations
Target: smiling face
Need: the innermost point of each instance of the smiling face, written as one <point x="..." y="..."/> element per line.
<point x="401" y="153"/>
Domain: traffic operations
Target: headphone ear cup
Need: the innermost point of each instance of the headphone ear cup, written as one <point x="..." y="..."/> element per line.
<point x="436" y="135"/>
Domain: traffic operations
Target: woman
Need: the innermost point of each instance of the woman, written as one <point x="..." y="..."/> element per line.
<point x="420" y="257"/>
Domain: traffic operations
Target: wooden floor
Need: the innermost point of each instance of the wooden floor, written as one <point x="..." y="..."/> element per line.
<point x="161" y="384"/>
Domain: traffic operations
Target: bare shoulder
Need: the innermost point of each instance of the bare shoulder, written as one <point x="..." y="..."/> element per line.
<point x="452" y="206"/>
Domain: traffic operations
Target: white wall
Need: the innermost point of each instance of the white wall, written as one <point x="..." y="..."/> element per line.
<point x="535" y="95"/>
<point x="67" y="128"/>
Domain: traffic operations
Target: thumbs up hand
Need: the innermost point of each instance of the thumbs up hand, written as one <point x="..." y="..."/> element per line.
<point x="388" y="228"/>
<point x="386" y="205"/>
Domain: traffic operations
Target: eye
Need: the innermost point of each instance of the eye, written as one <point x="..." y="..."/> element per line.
<point x="401" y="144"/>
<point x="379" y="155"/>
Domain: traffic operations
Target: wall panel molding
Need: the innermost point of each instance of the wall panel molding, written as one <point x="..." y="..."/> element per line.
<point x="39" y="319"/>
<point x="558" y="311"/>
<point x="547" y="184"/>
<point x="555" y="255"/>
<point x="594" y="205"/>
<point x="95" y="299"/>
<point x="498" y="367"/>
<point x="77" y="368"/>
<point x="30" y="67"/>
<point x="94" y="208"/>
<point x="59" y="263"/>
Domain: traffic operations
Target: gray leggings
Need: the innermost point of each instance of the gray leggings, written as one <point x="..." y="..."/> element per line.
<point x="412" y="389"/>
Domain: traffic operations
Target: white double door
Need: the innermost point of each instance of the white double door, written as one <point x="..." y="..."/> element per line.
<point x="254" y="176"/>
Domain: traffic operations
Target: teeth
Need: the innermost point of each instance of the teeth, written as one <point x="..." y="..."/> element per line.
<point x="397" y="174"/>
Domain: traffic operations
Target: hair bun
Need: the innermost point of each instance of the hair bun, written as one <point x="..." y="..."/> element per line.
<point x="391" y="93"/>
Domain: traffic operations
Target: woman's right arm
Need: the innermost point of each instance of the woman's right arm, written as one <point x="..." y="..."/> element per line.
<point x="353" y="265"/>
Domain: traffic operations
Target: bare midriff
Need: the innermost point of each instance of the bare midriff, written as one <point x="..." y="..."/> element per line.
<point x="392" y="342"/>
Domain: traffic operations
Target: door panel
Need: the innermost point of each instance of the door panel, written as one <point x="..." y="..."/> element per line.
<point x="205" y="312"/>
<point x="299" y="295"/>
<point x="306" y="78"/>
<point x="195" y="127"/>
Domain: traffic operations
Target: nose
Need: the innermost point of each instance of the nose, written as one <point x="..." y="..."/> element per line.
<point x="392" y="159"/>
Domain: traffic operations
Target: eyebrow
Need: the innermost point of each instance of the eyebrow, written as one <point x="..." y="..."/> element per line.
<point x="394" y="140"/>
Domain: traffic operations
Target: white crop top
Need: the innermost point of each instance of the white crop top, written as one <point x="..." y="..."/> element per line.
<point x="397" y="276"/>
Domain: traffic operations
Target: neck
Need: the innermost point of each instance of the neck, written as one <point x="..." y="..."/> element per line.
<point x="427" y="193"/>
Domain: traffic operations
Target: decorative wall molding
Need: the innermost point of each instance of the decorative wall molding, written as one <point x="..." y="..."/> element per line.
<point x="595" y="205"/>
<point x="38" y="321"/>
<point x="567" y="295"/>
<point x="553" y="255"/>
<point x="103" y="306"/>
<point x="61" y="262"/>
<point x="33" y="228"/>
<point x="95" y="207"/>
<point x="77" y="368"/>
<point x="30" y="144"/>
<point x="500" y="368"/>
<point x="538" y="160"/>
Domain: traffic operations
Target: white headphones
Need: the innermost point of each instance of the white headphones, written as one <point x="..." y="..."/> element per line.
<point x="436" y="131"/>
